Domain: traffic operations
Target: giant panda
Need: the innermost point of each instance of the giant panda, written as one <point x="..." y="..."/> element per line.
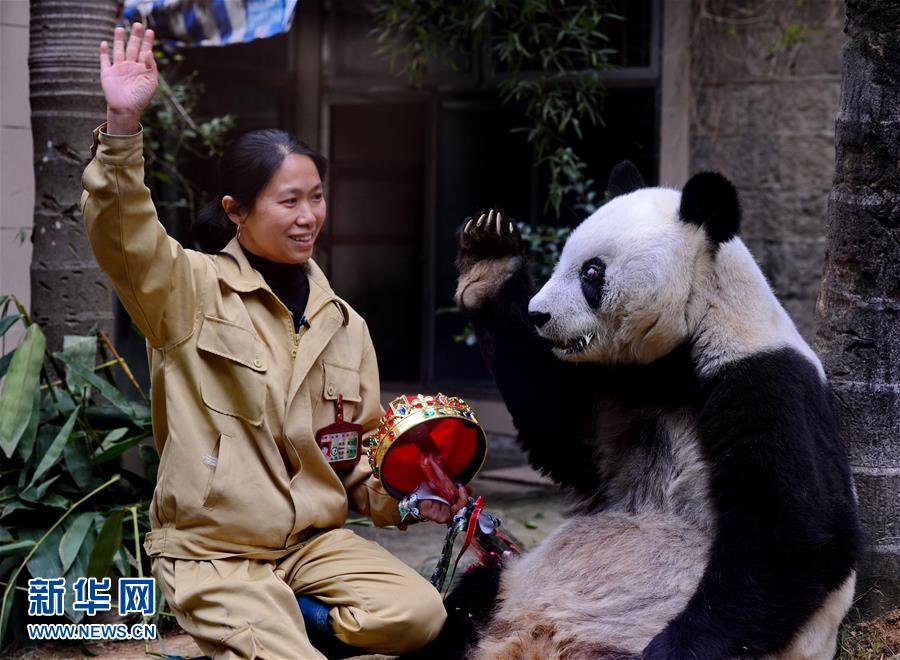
<point x="656" y="376"/>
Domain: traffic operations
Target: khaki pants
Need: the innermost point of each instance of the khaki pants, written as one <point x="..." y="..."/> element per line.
<point x="246" y="608"/>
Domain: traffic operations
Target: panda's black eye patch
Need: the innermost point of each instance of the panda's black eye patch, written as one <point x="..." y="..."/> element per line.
<point x="592" y="272"/>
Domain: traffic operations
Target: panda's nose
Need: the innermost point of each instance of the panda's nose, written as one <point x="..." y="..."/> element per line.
<point x="539" y="318"/>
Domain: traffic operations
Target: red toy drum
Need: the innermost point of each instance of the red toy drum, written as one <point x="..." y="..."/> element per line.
<point x="427" y="439"/>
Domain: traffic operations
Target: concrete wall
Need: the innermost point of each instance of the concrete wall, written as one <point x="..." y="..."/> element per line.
<point x="16" y="172"/>
<point x="765" y="81"/>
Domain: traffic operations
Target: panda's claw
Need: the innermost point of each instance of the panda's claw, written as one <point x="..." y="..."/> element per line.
<point x="468" y="225"/>
<point x="499" y="224"/>
<point x="511" y="229"/>
<point x="480" y="221"/>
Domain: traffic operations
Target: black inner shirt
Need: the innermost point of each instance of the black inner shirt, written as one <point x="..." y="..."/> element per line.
<point x="287" y="281"/>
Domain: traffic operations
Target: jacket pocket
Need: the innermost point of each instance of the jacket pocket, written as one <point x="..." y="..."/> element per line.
<point x="217" y="462"/>
<point x="233" y="363"/>
<point x="340" y="380"/>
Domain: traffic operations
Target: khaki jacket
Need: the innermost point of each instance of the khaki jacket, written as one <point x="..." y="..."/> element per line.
<point x="236" y="395"/>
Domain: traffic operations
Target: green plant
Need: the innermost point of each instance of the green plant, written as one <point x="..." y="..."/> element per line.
<point x="67" y="509"/>
<point x="544" y="245"/>
<point x="546" y="56"/>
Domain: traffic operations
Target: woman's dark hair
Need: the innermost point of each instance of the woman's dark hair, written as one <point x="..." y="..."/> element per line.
<point x="244" y="170"/>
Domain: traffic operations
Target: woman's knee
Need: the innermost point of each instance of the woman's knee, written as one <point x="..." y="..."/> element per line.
<point x="393" y="630"/>
<point x="426" y="618"/>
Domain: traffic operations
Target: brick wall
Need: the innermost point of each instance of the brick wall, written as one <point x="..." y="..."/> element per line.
<point x="765" y="83"/>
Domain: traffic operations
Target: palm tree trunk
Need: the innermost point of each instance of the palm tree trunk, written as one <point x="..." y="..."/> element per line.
<point x="859" y="303"/>
<point x="68" y="291"/>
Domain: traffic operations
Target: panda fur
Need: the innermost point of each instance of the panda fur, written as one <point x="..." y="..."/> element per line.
<point x="658" y="378"/>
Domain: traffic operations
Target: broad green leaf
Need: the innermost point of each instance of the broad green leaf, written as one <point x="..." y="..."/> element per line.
<point x="8" y="564"/>
<point x="113" y="437"/>
<point x="77" y="570"/>
<point x="36" y="493"/>
<point x="17" y="397"/>
<point x="5" y="536"/>
<point x="114" y="396"/>
<point x="26" y="442"/>
<point x="59" y="443"/>
<point x="7" y="322"/>
<point x="12" y="507"/>
<point x="46" y="434"/>
<point x="81" y="351"/>
<point x="78" y="462"/>
<point x="74" y="538"/>
<point x="55" y="501"/>
<point x="115" y="449"/>
<point x="120" y="561"/>
<point x="4" y="362"/>
<point x="45" y="561"/>
<point x="18" y="548"/>
<point x="107" y="545"/>
<point x="58" y="405"/>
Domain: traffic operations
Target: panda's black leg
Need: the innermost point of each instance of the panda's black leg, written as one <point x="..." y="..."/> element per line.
<point x="787" y="534"/>
<point x="469" y="608"/>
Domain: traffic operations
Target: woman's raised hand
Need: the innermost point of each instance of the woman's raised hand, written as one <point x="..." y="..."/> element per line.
<point x="129" y="80"/>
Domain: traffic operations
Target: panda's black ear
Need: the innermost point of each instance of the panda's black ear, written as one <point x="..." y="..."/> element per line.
<point x="709" y="200"/>
<point x="623" y="179"/>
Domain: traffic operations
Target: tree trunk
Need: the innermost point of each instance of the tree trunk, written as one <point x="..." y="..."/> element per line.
<point x="69" y="293"/>
<point x="859" y="304"/>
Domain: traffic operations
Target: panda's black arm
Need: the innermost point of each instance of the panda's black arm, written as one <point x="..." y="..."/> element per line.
<point x="551" y="401"/>
<point x="787" y="530"/>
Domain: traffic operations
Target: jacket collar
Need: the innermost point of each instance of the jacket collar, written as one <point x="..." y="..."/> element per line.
<point x="237" y="273"/>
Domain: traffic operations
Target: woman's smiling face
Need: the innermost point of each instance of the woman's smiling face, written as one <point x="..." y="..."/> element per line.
<point x="287" y="215"/>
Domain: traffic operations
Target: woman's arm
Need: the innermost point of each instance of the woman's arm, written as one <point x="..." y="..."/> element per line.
<point x="151" y="273"/>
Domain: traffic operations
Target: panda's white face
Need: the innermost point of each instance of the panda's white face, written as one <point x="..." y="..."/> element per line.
<point x="621" y="288"/>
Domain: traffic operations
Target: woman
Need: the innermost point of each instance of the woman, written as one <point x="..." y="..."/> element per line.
<point x="251" y="353"/>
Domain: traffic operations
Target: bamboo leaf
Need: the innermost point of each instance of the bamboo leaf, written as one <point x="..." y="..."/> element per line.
<point x="55" y="501"/>
<point x="36" y="493"/>
<point x="109" y="391"/>
<point x="45" y="560"/>
<point x="78" y="462"/>
<point x="26" y="442"/>
<point x="56" y="448"/>
<point x="7" y="322"/>
<point x="107" y="545"/>
<point x="74" y="538"/>
<point x="115" y="449"/>
<point x="81" y="351"/>
<point x="5" y="602"/>
<point x="5" y="536"/>
<point x="17" y="397"/>
<point x="17" y="548"/>
<point x="4" y="362"/>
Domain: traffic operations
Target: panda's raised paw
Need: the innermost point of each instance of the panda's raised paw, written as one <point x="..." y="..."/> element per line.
<point x="490" y="251"/>
<point x="490" y="235"/>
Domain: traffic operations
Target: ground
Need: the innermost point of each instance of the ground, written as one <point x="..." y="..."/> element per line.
<point x="530" y="507"/>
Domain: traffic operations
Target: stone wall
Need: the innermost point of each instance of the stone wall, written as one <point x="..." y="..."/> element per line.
<point x="765" y="83"/>
<point x="16" y="174"/>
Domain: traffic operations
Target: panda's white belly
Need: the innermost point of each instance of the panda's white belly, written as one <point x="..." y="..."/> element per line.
<point x="609" y="581"/>
<point x="602" y="582"/>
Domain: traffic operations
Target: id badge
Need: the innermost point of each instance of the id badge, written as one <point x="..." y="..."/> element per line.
<point x="340" y="441"/>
